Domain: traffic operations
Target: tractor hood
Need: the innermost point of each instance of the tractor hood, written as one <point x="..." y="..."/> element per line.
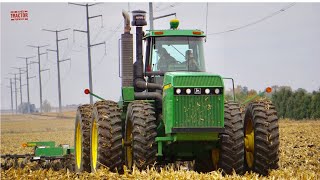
<point x="192" y="79"/>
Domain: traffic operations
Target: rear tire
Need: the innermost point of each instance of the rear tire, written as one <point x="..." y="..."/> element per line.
<point x="82" y="138"/>
<point x="140" y="135"/>
<point x="261" y="137"/>
<point x="230" y="156"/>
<point x="106" y="136"/>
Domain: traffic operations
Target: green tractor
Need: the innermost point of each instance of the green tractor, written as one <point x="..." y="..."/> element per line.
<point x="172" y="110"/>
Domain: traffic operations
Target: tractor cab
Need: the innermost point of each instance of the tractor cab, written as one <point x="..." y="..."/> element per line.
<point x="174" y="50"/>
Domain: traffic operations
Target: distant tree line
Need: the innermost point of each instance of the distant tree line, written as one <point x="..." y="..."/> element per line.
<point x="298" y="104"/>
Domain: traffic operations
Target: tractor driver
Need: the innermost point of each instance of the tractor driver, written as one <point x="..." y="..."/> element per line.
<point x="165" y="60"/>
<point x="191" y="61"/>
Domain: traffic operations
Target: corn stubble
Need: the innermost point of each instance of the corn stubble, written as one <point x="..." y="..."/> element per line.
<point x="299" y="158"/>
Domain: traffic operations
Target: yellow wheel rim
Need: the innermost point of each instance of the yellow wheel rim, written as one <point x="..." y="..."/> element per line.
<point x="78" y="145"/>
<point x="94" y="144"/>
<point x="215" y="153"/>
<point x="249" y="143"/>
<point x="129" y="148"/>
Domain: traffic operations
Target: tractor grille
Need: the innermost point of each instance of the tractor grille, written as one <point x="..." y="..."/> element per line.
<point x="198" y="111"/>
<point x="197" y="81"/>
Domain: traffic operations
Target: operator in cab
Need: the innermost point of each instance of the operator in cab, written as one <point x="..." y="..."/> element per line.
<point x="165" y="60"/>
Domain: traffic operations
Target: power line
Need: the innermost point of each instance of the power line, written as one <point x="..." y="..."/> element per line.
<point x="168" y="7"/>
<point x="255" y="22"/>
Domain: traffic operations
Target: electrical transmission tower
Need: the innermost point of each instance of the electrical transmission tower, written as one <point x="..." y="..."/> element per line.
<point x="11" y="93"/>
<point x="58" y="60"/>
<point x="27" y="73"/>
<point x="15" y="90"/>
<point x="40" y="70"/>
<point x="89" y="43"/>
<point x="20" y="78"/>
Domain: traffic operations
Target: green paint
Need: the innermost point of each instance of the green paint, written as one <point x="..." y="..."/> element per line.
<point x="98" y="97"/>
<point x="52" y="151"/>
<point x="127" y="93"/>
<point x="192" y="110"/>
<point x="252" y="98"/>
<point x="196" y="137"/>
<point x="50" y="144"/>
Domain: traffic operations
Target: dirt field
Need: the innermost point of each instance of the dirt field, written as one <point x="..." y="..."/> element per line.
<point x="299" y="150"/>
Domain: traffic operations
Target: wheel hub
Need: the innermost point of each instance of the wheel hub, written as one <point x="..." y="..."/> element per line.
<point x="94" y="144"/>
<point x="215" y="153"/>
<point x="128" y="144"/>
<point x="249" y="143"/>
<point x="78" y="145"/>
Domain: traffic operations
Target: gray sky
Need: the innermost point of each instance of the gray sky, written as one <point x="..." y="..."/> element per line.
<point x="282" y="50"/>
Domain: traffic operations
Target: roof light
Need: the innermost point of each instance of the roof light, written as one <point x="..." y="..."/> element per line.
<point x="197" y="32"/>
<point x="158" y="32"/>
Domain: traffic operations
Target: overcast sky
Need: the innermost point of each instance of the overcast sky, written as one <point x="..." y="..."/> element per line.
<point x="282" y="50"/>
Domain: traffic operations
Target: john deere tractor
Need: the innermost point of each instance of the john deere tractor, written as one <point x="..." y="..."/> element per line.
<point x="172" y="110"/>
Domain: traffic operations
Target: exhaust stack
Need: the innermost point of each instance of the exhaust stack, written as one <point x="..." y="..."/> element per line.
<point x="126" y="52"/>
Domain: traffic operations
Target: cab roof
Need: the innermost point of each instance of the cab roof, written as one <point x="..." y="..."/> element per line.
<point x="174" y="32"/>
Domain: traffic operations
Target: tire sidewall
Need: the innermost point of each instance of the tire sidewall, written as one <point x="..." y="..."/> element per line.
<point x="249" y="116"/>
<point x="94" y="118"/>
<point x="78" y="121"/>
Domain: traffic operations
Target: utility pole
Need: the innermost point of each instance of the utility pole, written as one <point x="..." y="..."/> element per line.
<point x="11" y="94"/>
<point x="151" y="15"/>
<point x="15" y="90"/>
<point x="27" y="71"/>
<point x="58" y="61"/>
<point x="89" y="43"/>
<point x="151" y="18"/>
<point x="20" y="69"/>
<point x="39" y="54"/>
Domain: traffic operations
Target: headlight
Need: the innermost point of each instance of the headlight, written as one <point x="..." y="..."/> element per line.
<point x="217" y="91"/>
<point x="178" y="91"/>
<point x="207" y="91"/>
<point x="188" y="91"/>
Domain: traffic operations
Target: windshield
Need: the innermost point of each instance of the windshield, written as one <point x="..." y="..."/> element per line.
<point x="177" y="54"/>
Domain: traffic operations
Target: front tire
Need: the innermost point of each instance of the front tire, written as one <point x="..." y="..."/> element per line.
<point x="106" y="136"/>
<point x="140" y="135"/>
<point x="82" y="138"/>
<point x="230" y="155"/>
<point x="261" y="137"/>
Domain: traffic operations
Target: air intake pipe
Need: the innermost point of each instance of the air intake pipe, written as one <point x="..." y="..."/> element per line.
<point x="140" y="84"/>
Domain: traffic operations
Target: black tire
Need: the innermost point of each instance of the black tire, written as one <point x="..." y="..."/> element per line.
<point x="82" y="136"/>
<point x="230" y="156"/>
<point x="140" y="149"/>
<point x="263" y="116"/>
<point x="106" y="126"/>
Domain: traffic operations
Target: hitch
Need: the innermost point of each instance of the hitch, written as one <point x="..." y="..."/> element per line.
<point x="87" y="91"/>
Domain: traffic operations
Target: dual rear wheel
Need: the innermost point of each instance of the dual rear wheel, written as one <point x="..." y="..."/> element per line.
<point x="248" y="144"/>
<point x="98" y="137"/>
<point x="99" y="142"/>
